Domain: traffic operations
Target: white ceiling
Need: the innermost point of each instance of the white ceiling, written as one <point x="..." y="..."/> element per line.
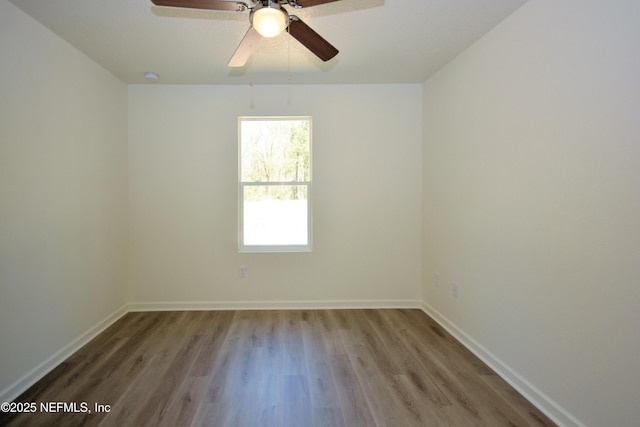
<point x="380" y="41"/>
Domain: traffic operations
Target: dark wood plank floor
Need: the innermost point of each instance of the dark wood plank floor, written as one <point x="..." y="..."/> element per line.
<point x="277" y="368"/>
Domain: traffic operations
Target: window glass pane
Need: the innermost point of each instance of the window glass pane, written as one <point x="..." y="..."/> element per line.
<point x="275" y="215"/>
<point x="275" y="150"/>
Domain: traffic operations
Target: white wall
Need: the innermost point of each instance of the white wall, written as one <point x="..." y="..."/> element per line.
<point x="183" y="197"/>
<point x="62" y="198"/>
<point x="532" y="204"/>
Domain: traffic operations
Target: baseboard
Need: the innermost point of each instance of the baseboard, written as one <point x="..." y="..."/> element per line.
<point x="554" y="411"/>
<point x="270" y="305"/>
<point x="21" y="385"/>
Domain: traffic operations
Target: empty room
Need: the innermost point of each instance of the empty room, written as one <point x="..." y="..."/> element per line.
<point x="320" y="213"/>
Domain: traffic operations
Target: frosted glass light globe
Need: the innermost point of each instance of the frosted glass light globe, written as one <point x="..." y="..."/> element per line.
<point x="269" y="22"/>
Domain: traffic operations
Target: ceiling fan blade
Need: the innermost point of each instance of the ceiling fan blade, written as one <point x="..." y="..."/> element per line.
<point x="311" y="40"/>
<point x="243" y="51"/>
<point x="204" y="4"/>
<point x="309" y="3"/>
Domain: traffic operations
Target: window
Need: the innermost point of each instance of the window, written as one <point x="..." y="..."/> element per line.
<point x="274" y="184"/>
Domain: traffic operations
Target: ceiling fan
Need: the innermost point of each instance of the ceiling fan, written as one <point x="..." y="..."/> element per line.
<point x="268" y="18"/>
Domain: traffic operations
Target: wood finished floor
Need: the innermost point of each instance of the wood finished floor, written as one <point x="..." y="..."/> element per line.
<point x="278" y="368"/>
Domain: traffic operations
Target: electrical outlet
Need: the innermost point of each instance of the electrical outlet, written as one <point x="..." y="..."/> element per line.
<point x="242" y="271"/>
<point x="454" y="290"/>
<point x="437" y="280"/>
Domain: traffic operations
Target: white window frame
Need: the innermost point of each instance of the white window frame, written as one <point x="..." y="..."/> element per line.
<point x="242" y="248"/>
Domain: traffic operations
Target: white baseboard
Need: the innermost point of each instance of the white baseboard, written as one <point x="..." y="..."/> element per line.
<point x="30" y="378"/>
<point x="554" y="411"/>
<point x="270" y="305"/>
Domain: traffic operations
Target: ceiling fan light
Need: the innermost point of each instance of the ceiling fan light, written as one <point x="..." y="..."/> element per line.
<point x="269" y="21"/>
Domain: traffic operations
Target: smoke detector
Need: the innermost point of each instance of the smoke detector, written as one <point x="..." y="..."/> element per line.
<point x="151" y="77"/>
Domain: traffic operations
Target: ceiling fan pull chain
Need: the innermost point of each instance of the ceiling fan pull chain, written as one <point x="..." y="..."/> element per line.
<point x="288" y="56"/>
